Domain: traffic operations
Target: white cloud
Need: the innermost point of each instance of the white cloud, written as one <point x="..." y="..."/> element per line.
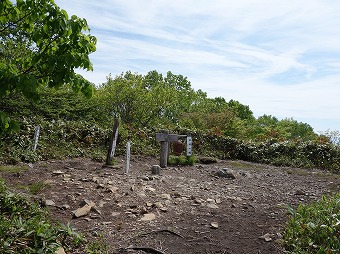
<point x="279" y="57"/>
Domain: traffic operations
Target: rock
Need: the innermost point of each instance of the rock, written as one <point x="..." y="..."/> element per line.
<point x="148" y="188"/>
<point x="65" y="207"/>
<point x="213" y="206"/>
<point x="156" y="169"/>
<point x="82" y="211"/>
<point x="158" y="205"/>
<point x="145" y="178"/>
<point x="86" y="202"/>
<point x="49" y="202"/>
<point x="112" y="189"/>
<point x="57" y="173"/>
<point x="218" y="201"/>
<point x="86" y="207"/>
<point x="96" y="210"/>
<point x="214" y="225"/>
<point x="115" y="214"/>
<point x="165" y="196"/>
<point x="300" y="192"/>
<point x="101" y="203"/>
<point x="60" y="250"/>
<point x="148" y="217"/>
<point x="267" y="237"/>
<point x="226" y="173"/>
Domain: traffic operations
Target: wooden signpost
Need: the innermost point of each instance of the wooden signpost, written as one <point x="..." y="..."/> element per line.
<point x="165" y="138"/>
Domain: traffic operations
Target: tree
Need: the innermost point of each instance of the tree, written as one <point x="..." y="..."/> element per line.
<point x="40" y="46"/>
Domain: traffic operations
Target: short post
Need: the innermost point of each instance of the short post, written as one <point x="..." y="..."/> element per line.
<point x="189" y="146"/>
<point x="164" y="150"/>
<point x="36" y="137"/>
<point x="113" y="142"/>
<point x="127" y="166"/>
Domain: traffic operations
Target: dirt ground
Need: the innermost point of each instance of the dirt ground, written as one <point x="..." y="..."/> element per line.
<point x="187" y="209"/>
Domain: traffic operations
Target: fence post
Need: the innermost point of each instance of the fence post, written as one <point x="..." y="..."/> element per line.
<point x="36" y="137"/>
<point x="113" y="142"/>
<point x="163" y="162"/>
<point x="127" y="166"/>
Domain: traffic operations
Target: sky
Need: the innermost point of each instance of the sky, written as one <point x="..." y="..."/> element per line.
<point x="279" y="57"/>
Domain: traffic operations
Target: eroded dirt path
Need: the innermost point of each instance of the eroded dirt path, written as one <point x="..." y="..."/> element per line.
<point x="183" y="210"/>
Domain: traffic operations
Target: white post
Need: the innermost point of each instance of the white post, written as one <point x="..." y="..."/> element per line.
<point x="189" y="146"/>
<point x="127" y="166"/>
<point x="36" y="137"/>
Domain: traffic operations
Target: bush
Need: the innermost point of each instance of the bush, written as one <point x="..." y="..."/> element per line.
<point x="314" y="228"/>
<point x="25" y="227"/>
<point x="182" y="160"/>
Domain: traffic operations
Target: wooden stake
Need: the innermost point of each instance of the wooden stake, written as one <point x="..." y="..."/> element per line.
<point x="113" y="142"/>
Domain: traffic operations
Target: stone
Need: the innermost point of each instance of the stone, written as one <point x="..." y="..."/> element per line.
<point x="165" y="196"/>
<point x="82" y="211"/>
<point x="163" y="209"/>
<point x="300" y="192"/>
<point x="96" y="210"/>
<point x="226" y="173"/>
<point x="155" y="169"/>
<point x="57" y="173"/>
<point x="148" y="217"/>
<point x="49" y="202"/>
<point x="158" y="205"/>
<point x="114" y="214"/>
<point x="60" y="250"/>
<point x="65" y="207"/>
<point x="148" y="188"/>
<point x="112" y="189"/>
<point x="86" y="202"/>
<point x="213" y="206"/>
<point x="86" y="207"/>
<point x="101" y="203"/>
<point x="267" y="237"/>
<point x="214" y="225"/>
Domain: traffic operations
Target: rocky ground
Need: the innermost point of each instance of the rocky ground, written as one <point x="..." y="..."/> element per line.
<point x="226" y="207"/>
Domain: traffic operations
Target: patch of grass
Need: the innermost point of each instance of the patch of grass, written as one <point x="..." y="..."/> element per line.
<point x="208" y="160"/>
<point x="35" y="188"/>
<point x="314" y="228"/>
<point x="13" y="169"/>
<point x="245" y="165"/>
<point x="98" y="246"/>
<point x="182" y="160"/>
<point x="25" y="227"/>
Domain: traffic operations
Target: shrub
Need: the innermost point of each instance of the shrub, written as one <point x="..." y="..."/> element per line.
<point x="314" y="228"/>
<point x="25" y="227"/>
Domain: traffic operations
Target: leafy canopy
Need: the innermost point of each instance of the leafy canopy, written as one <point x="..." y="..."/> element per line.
<point x="40" y="46"/>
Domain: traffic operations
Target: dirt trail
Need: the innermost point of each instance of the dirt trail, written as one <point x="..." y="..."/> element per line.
<point x="191" y="209"/>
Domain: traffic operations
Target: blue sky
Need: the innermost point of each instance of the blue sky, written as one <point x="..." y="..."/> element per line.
<point x="280" y="57"/>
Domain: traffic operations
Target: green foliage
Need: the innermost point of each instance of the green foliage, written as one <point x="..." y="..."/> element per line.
<point x="182" y="160"/>
<point x="25" y="228"/>
<point x="314" y="228"/>
<point x="35" y="188"/>
<point x="12" y="169"/>
<point x="41" y="46"/>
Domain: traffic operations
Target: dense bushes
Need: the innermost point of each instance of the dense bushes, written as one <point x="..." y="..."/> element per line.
<point x="314" y="228"/>
<point x="60" y="139"/>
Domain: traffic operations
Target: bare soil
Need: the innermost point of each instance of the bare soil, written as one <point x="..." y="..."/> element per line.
<point x="185" y="209"/>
